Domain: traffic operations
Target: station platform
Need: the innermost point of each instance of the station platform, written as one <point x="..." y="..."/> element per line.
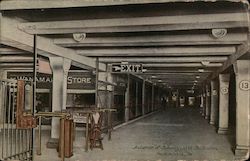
<point x="171" y="135"/>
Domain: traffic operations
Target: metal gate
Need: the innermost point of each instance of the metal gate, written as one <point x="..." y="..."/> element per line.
<point x="15" y="143"/>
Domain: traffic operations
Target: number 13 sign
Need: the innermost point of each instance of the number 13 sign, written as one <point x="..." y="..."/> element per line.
<point x="245" y="85"/>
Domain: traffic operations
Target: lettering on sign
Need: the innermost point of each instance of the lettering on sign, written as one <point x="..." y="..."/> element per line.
<point x="127" y="68"/>
<point x="224" y="90"/>
<point x="75" y="80"/>
<point x="72" y="80"/>
<point x="245" y="85"/>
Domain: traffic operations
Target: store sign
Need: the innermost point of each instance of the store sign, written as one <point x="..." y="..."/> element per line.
<point x="75" y="80"/>
<point x="44" y="81"/>
<point x="81" y="80"/>
<point x="127" y="68"/>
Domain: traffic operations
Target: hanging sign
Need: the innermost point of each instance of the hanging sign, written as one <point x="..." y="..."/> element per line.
<point x="127" y="68"/>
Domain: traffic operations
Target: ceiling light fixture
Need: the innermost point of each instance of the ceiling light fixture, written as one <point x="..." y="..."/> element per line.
<point x="205" y="63"/>
<point x="79" y="36"/>
<point x="219" y="33"/>
<point x="201" y="70"/>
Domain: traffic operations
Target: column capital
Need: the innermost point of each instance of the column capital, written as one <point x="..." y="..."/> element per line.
<point x="224" y="77"/>
<point x="241" y="67"/>
<point x="59" y="63"/>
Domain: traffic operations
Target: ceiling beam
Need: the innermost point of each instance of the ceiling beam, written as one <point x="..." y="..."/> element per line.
<point x="9" y="59"/>
<point x="159" y="51"/>
<point x="241" y="50"/>
<point x="180" y="22"/>
<point x="8" y="50"/>
<point x="46" y="4"/>
<point x="175" y="71"/>
<point x="45" y="46"/>
<point x="190" y="65"/>
<point x="162" y="40"/>
<point x="163" y="59"/>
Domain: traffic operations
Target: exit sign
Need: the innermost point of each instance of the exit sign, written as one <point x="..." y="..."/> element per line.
<point x="127" y="68"/>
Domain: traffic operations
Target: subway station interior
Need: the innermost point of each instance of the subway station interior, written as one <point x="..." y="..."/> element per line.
<point x="124" y="80"/>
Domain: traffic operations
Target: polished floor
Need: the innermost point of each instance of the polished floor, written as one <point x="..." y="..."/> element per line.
<point x="170" y="135"/>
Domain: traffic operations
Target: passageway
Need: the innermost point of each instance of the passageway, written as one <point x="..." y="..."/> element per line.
<point x="179" y="70"/>
<point x="173" y="134"/>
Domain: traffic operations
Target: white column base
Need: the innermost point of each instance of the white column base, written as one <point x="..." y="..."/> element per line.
<point x="222" y="131"/>
<point x="241" y="152"/>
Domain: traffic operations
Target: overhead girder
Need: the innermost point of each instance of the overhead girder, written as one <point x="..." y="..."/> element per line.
<point x="139" y="24"/>
<point x="154" y="40"/>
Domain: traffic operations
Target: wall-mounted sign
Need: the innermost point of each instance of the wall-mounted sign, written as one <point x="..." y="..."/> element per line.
<point x="75" y="80"/>
<point x="81" y="80"/>
<point x="44" y="81"/>
<point x="245" y="85"/>
<point x="214" y="92"/>
<point x="127" y="68"/>
<point x="224" y="90"/>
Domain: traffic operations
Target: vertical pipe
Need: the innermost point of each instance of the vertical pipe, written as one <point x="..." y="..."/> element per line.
<point x="34" y="91"/>
<point x="96" y="83"/>
<point x="8" y="121"/>
<point x="2" y="104"/>
<point x="62" y="150"/>
<point x="87" y="134"/>
<point x="39" y="136"/>
<point x="109" y="125"/>
<point x="21" y="143"/>
<point x="27" y="143"/>
<point x="12" y="119"/>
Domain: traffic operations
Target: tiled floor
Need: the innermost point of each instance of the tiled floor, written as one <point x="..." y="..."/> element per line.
<point x="171" y="135"/>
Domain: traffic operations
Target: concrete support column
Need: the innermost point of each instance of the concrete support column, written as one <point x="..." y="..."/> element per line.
<point x="143" y="97"/>
<point x="127" y="100"/>
<point x="201" y="103"/>
<point x="204" y="102"/>
<point x="242" y="73"/>
<point x="153" y="91"/>
<point x="136" y="98"/>
<point x="208" y="105"/>
<point x="3" y="75"/>
<point x="60" y="67"/>
<point x="214" y="102"/>
<point x="223" y="103"/>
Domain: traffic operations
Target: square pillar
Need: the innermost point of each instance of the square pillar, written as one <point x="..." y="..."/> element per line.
<point x="201" y="103"/>
<point x="204" y="102"/>
<point x="214" y="102"/>
<point x="60" y="67"/>
<point x="143" y="97"/>
<point x="127" y="100"/>
<point x="207" y="116"/>
<point x="3" y="75"/>
<point x="223" y="103"/>
<point x="242" y="74"/>
<point x="152" y="105"/>
<point x="136" y="98"/>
